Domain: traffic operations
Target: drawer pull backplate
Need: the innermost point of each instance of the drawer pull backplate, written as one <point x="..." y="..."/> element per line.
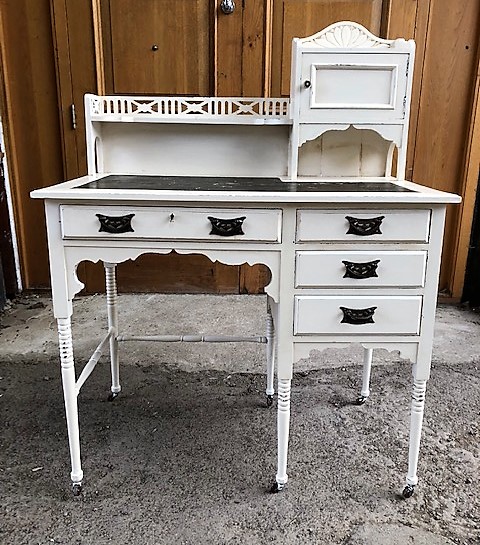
<point x="364" y="227"/>
<point x="115" y="224"/>
<point x="358" y="316"/>
<point x="361" y="270"/>
<point x="227" y="228"/>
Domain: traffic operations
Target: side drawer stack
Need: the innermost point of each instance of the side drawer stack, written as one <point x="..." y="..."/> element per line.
<point x="340" y="250"/>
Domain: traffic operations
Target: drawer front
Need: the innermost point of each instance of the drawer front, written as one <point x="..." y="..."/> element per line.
<point x="363" y="225"/>
<point x="360" y="269"/>
<point x="316" y="315"/>
<point x="171" y="223"/>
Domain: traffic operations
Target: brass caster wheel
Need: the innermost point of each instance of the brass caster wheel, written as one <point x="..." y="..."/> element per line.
<point x="113" y="396"/>
<point x="269" y="400"/>
<point x="408" y="491"/>
<point x="277" y="487"/>
<point x="361" y="400"/>
<point x="76" y="489"/>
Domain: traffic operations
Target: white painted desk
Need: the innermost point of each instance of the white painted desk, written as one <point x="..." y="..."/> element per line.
<point x="303" y="186"/>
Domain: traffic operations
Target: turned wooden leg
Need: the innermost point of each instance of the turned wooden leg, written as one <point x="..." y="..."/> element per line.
<point x="70" y="395"/>
<point x="112" y="313"/>
<point x="416" y="420"/>
<point x="270" y="391"/>
<point x="283" y="402"/>
<point x="367" y="367"/>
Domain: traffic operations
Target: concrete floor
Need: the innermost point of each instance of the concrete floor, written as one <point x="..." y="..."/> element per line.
<point x="186" y="453"/>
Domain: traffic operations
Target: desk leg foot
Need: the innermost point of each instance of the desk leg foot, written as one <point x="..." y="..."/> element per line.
<point x="77" y="489"/>
<point x="277" y="487"/>
<point x="408" y="491"/>
<point x="269" y="400"/>
<point x="112" y="313"/>
<point x="416" y="420"/>
<point x="113" y="396"/>
<point x="367" y="367"/>
<point x="361" y="400"/>
<point x="70" y="396"/>
<point x="283" y="429"/>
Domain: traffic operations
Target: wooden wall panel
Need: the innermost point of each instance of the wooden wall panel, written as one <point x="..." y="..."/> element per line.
<point x="30" y="115"/>
<point x="172" y="273"/>
<point x="445" y="107"/>
<point x="240" y="50"/>
<point x="161" y="47"/>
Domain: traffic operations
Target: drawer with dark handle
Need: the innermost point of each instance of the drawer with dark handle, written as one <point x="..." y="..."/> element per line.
<point x="362" y="226"/>
<point x="360" y="268"/>
<point x="357" y="314"/>
<point x="171" y="223"/>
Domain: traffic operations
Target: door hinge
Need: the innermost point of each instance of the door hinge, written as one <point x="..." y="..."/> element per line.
<point x="74" y="116"/>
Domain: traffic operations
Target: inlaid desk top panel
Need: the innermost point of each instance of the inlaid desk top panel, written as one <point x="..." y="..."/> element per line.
<point x="246" y="189"/>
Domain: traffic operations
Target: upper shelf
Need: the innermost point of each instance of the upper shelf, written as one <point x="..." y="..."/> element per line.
<point x="243" y="111"/>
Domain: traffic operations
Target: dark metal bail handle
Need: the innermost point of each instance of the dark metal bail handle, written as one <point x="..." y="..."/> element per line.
<point x="364" y="227"/>
<point x="361" y="270"/>
<point x="227" y="228"/>
<point x="115" y="224"/>
<point x="358" y="316"/>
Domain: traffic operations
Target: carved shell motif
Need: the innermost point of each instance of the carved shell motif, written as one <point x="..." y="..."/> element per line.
<point x="346" y="35"/>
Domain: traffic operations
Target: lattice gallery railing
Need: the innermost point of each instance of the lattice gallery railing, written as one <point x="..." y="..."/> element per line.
<point x="181" y="107"/>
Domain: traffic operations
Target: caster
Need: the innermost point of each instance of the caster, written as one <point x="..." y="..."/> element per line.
<point x="113" y="396"/>
<point x="76" y="489"/>
<point x="269" y="400"/>
<point x="277" y="487"/>
<point x="408" y="491"/>
<point x="361" y="400"/>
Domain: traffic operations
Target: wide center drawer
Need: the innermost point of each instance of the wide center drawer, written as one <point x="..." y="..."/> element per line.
<point x="213" y="224"/>
<point x="363" y="225"/>
<point x="357" y="269"/>
<point x="317" y="315"/>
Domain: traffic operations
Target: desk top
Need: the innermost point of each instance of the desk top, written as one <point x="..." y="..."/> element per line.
<point x="263" y="190"/>
<point x="240" y="184"/>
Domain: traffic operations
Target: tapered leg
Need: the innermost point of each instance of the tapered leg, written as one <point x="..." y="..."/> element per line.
<point x="284" y="386"/>
<point x="112" y="312"/>
<point x="270" y="391"/>
<point x="70" y="395"/>
<point x="416" y="420"/>
<point x="367" y="367"/>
